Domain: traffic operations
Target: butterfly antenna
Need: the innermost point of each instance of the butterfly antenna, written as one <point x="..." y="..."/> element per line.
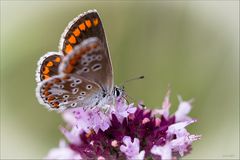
<point x="132" y="79"/>
<point x="126" y="96"/>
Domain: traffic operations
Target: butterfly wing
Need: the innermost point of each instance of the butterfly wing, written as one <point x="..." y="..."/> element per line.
<point x="48" y="66"/>
<point x="89" y="61"/>
<point x="66" y="91"/>
<point x="80" y="77"/>
<point x="84" y="26"/>
<point x="84" y="74"/>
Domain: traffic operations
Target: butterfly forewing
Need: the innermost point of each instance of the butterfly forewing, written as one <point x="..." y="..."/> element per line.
<point x="81" y="28"/>
<point x="84" y="26"/>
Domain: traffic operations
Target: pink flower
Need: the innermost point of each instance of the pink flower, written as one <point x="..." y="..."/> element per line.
<point x="73" y="136"/>
<point x="165" y="106"/>
<point x="164" y="151"/>
<point x="178" y="127"/>
<point x="63" y="152"/>
<point x="122" y="109"/>
<point x="87" y="119"/>
<point x="183" y="109"/>
<point x="181" y="143"/>
<point x="125" y="131"/>
<point x="100" y="158"/>
<point x="98" y="120"/>
<point x="183" y="138"/>
<point x="131" y="149"/>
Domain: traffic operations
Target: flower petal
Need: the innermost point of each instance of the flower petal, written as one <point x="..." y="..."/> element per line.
<point x="63" y="152"/>
<point x="164" y="151"/>
<point x="183" y="109"/>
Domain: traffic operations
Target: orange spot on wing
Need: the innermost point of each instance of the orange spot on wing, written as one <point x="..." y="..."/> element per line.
<point x="58" y="59"/>
<point x="68" y="48"/>
<point x="73" y="61"/>
<point x="94" y="45"/>
<point x="72" y="39"/>
<point x="48" y="86"/>
<point x="66" y="77"/>
<point x="57" y="80"/>
<point x="82" y="26"/>
<point x="46" y="70"/>
<point x="88" y="23"/>
<point x="46" y="93"/>
<point x="77" y="56"/>
<point x="46" y="76"/>
<point x="76" y="32"/>
<point x="50" y="64"/>
<point x="55" y="105"/>
<point x="69" y="69"/>
<point x="50" y="98"/>
<point x="95" y="21"/>
<point x="88" y="48"/>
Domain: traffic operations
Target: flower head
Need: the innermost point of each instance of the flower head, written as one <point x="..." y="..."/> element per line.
<point x="128" y="132"/>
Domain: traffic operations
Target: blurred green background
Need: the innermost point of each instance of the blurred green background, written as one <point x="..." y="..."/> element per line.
<point x="192" y="45"/>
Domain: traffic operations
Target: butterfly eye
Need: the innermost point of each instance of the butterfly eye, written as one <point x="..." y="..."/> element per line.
<point x="117" y="92"/>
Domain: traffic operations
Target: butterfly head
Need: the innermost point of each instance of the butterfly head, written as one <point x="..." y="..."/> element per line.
<point x="118" y="91"/>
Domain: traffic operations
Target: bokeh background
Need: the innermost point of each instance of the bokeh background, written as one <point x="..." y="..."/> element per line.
<point x="191" y="45"/>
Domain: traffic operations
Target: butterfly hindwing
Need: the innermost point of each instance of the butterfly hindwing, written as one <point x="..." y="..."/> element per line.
<point x="66" y="91"/>
<point x="48" y="66"/>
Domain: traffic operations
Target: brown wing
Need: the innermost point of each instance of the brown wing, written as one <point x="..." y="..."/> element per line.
<point x="89" y="60"/>
<point x="66" y="91"/>
<point x="82" y="27"/>
<point x="48" y="66"/>
<point x="85" y="26"/>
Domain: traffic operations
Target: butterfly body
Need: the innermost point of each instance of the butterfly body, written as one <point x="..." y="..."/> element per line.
<point x="80" y="74"/>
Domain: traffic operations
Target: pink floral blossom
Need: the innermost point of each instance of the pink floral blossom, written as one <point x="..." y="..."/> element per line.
<point x="126" y="131"/>
<point x="164" y="151"/>
<point x="63" y="152"/>
<point x="131" y="149"/>
<point x="122" y="109"/>
<point x="183" y="109"/>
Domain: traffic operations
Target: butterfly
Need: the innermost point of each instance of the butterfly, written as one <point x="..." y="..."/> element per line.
<point x="81" y="73"/>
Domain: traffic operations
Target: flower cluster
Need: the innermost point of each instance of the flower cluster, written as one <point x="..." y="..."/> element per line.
<point x="126" y="132"/>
